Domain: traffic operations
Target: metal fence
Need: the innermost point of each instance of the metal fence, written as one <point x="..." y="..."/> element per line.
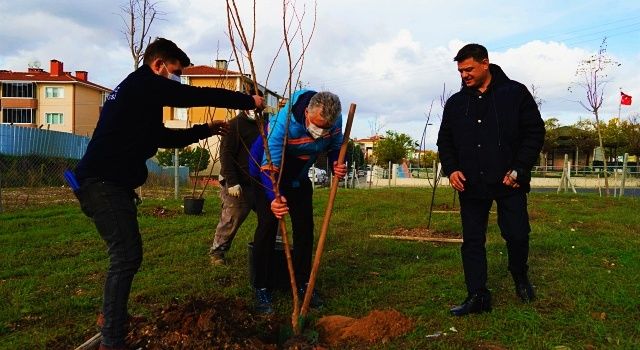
<point x="32" y="162"/>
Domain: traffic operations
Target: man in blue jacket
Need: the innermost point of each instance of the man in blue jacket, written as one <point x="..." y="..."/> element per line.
<point x="489" y="140"/>
<point x="310" y="123"/>
<point x="129" y="131"/>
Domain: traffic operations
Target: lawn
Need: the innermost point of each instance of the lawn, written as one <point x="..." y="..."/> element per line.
<point x="584" y="262"/>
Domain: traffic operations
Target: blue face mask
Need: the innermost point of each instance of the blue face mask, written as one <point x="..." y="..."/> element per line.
<point x="172" y="76"/>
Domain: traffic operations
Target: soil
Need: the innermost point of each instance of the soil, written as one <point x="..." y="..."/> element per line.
<point x="225" y="323"/>
<point x="159" y="212"/>
<point x="205" y="324"/>
<point x="446" y="207"/>
<point x="424" y="232"/>
<point x="377" y="326"/>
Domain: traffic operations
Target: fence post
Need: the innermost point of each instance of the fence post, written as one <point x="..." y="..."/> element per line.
<point x="1" y="191"/>
<point x="389" y="173"/>
<point x="624" y="173"/>
<point x="176" y="165"/>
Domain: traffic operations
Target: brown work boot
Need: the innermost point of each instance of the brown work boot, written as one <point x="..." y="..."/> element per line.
<point x="131" y="319"/>
<point x="217" y="258"/>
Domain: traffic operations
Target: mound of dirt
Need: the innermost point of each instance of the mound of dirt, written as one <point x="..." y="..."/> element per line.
<point x="205" y="324"/>
<point x="424" y="232"/>
<point x="159" y="212"/>
<point x="377" y="326"/>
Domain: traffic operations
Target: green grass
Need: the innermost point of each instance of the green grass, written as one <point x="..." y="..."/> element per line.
<point x="584" y="262"/>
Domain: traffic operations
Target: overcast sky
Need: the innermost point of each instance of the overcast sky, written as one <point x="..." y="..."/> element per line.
<point x="391" y="58"/>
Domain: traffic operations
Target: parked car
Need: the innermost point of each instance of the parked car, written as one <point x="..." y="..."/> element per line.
<point x="321" y="176"/>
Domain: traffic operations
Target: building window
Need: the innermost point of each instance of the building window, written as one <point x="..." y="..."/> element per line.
<point x="180" y="113"/>
<point x="54" y="118"/>
<point x="53" y="92"/>
<point x="25" y="90"/>
<point x="18" y="115"/>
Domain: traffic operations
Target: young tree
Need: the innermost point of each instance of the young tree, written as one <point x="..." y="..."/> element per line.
<point x="137" y="17"/>
<point x="593" y="72"/>
<point x="393" y="148"/>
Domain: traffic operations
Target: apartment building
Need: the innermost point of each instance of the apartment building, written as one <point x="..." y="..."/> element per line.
<point x="218" y="76"/>
<point x="214" y="76"/>
<point x="54" y="100"/>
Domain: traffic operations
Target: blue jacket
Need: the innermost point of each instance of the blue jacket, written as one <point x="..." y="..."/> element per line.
<point x="301" y="149"/>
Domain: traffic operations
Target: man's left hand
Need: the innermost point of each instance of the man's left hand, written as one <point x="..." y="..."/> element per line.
<point x="339" y="170"/>
<point x="218" y="127"/>
<point x="510" y="179"/>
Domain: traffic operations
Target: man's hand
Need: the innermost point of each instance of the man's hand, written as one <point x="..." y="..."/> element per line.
<point x="510" y="179"/>
<point x="235" y="191"/>
<point x="457" y="179"/>
<point x="260" y="103"/>
<point x="339" y="170"/>
<point x="279" y="207"/>
<point x="218" y="127"/>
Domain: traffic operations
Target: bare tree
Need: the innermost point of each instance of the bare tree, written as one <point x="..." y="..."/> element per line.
<point x="593" y="72"/>
<point x="137" y="17"/>
<point x="534" y="92"/>
<point x="376" y="126"/>
<point x="242" y="37"/>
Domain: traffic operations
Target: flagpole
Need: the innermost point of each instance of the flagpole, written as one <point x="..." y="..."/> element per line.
<point x="620" y="105"/>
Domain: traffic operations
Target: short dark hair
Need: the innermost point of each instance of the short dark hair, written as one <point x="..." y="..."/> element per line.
<point x="475" y="51"/>
<point x="166" y="50"/>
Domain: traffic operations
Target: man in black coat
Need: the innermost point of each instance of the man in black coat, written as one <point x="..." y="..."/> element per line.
<point x="129" y="131"/>
<point x="489" y="140"/>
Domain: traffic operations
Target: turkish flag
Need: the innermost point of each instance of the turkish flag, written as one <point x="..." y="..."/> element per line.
<point x="625" y="99"/>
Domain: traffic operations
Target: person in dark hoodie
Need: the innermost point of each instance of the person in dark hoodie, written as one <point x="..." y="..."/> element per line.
<point x="489" y="140"/>
<point x="130" y="131"/>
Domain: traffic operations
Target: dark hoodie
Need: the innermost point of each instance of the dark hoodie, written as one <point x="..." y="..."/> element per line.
<point x="485" y="135"/>
<point x="130" y="128"/>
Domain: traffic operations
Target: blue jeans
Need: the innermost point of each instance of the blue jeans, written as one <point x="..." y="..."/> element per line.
<point x="113" y="210"/>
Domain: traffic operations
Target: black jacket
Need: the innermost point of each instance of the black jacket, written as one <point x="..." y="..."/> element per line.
<point x="130" y="127"/>
<point x="485" y="135"/>
<point x="234" y="150"/>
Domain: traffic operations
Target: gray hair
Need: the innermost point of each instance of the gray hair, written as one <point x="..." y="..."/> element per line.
<point x="329" y="103"/>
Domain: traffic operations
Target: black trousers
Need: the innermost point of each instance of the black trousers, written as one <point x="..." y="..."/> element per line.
<point x="114" y="213"/>
<point x="300" y="203"/>
<point x="513" y="221"/>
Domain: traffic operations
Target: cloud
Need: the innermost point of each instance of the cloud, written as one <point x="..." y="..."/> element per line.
<point x="392" y="60"/>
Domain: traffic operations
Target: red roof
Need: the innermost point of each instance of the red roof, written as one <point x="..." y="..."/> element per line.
<point x="38" y="75"/>
<point x="207" y="70"/>
<point x="373" y="138"/>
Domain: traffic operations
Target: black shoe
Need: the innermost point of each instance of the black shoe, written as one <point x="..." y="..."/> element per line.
<point x="524" y="289"/>
<point x="264" y="301"/>
<point x="474" y="304"/>
<point x="525" y="292"/>
<point x="315" y="302"/>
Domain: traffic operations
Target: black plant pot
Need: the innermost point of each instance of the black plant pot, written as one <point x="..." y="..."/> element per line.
<point x="193" y="205"/>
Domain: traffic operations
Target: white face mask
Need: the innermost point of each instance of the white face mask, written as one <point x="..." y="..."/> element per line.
<point x="251" y="114"/>
<point x="315" y="131"/>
